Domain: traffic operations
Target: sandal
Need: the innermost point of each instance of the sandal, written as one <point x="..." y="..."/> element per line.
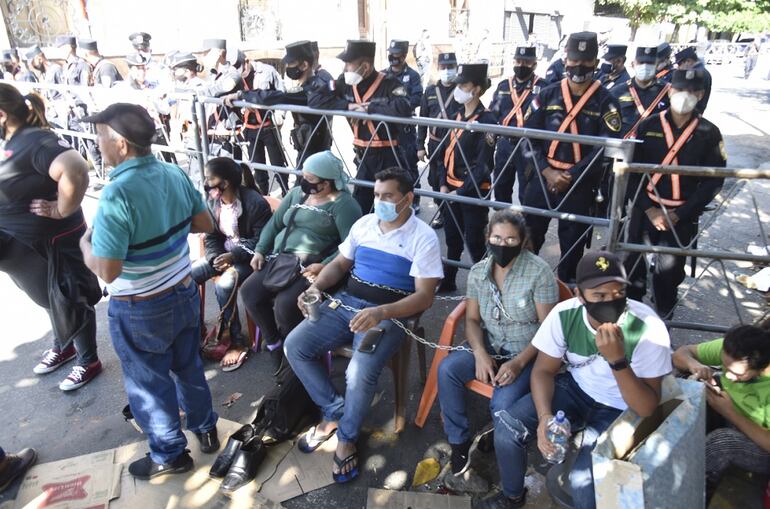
<point x="309" y="442"/>
<point x="237" y="364"/>
<point x="341" y="478"/>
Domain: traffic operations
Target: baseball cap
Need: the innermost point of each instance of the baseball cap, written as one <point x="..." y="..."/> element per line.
<point x="599" y="267"/>
<point x="128" y="120"/>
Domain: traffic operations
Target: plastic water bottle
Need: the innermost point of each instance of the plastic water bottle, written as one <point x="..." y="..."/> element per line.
<point x="558" y="433"/>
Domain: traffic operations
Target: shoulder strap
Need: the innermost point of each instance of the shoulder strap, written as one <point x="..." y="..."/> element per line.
<point x="290" y="223"/>
<point x="441" y="103"/>
<point x="372" y="89"/>
<point x="644" y="113"/>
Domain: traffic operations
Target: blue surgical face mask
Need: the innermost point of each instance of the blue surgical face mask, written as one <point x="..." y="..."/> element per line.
<point x="385" y="210"/>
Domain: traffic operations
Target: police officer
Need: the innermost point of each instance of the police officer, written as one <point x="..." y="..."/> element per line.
<point x="509" y="104"/>
<point x="76" y="70"/>
<point x="465" y="168"/>
<point x="44" y="70"/>
<point x="555" y="71"/>
<point x="410" y="78"/>
<point x="361" y="88"/>
<point x="437" y="102"/>
<point x="642" y="96"/>
<point x="103" y="72"/>
<point x="669" y="205"/>
<point x="664" y="66"/>
<point x="614" y="70"/>
<point x="10" y="68"/>
<point x="155" y="72"/>
<point x="568" y="173"/>
<point x="688" y="59"/>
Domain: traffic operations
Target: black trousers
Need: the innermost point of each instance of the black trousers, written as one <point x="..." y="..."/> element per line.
<point x="261" y="141"/>
<point x="571" y="234"/>
<point x="667" y="270"/>
<point x="276" y="314"/>
<point x="375" y="160"/>
<point x="54" y="276"/>
<point x="506" y="171"/>
<point x="464" y="221"/>
<point x="407" y="141"/>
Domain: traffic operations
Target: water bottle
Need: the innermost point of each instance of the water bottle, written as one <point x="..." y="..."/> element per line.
<point x="558" y="433"/>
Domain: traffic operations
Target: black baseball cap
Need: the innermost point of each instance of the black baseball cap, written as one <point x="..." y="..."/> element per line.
<point x="599" y="267"/>
<point x="128" y="120"/>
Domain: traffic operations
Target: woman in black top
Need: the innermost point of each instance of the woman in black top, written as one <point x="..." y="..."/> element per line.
<point x="42" y="183"/>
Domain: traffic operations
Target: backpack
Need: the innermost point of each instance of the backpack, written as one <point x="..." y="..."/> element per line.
<point x="286" y="409"/>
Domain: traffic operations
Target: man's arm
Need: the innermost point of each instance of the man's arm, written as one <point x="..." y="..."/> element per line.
<point x="106" y="269"/>
<point x="416" y="303"/>
<point x="332" y="273"/>
<point x="685" y="358"/>
<point x="722" y="403"/>
<point x="202" y="222"/>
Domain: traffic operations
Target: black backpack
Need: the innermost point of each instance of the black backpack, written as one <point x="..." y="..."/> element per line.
<point x="286" y="409"/>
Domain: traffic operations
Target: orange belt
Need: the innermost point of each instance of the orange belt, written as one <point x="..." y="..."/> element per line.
<point x="260" y="122"/>
<point x="569" y="121"/>
<point x="375" y="140"/>
<point x="673" y="149"/>
<point x="449" y="155"/>
<point x="643" y="113"/>
<point x="517" y="102"/>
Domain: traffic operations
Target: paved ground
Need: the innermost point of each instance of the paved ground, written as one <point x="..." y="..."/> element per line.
<point x="35" y="413"/>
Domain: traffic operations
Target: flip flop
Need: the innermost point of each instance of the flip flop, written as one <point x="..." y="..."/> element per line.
<point x="341" y="478"/>
<point x="238" y="363"/>
<point x="309" y="442"/>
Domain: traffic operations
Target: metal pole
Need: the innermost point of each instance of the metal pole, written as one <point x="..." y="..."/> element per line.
<point x="700" y="171"/>
<point x="700" y="253"/>
<point x="198" y="113"/>
<point x="718" y="329"/>
<point x="617" y="203"/>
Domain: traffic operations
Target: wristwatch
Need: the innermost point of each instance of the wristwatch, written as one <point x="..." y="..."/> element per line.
<point x="619" y="365"/>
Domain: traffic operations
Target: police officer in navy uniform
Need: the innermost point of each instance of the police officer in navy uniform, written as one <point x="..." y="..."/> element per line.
<point x="677" y="136"/>
<point x="410" y="78"/>
<point x="76" y="71"/>
<point x="465" y="169"/>
<point x="688" y="59"/>
<point x="510" y="103"/>
<point x="103" y="72"/>
<point x="614" y="71"/>
<point x="437" y="102"/>
<point x="644" y="94"/>
<point x="577" y="105"/>
<point x="664" y="65"/>
<point x="361" y="88"/>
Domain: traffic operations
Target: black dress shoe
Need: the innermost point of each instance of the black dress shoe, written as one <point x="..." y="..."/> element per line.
<point x="245" y="465"/>
<point x="14" y="466"/>
<point x="437" y="223"/>
<point x="209" y="441"/>
<point x="146" y="469"/>
<point x="225" y="459"/>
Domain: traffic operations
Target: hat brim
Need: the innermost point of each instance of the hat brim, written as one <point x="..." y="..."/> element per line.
<point x="646" y="60"/>
<point x="598" y="281"/>
<point x="345" y="57"/>
<point x="610" y="55"/>
<point x="397" y="50"/>
<point x="577" y="55"/>
<point x="96" y="118"/>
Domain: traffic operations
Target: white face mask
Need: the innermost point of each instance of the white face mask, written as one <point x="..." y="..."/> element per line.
<point x="683" y="102"/>
<point x="461" y="96"/>
<point x="645" y="72"/>
<point x="353" y="77"/>
<point x="447" y="75"/>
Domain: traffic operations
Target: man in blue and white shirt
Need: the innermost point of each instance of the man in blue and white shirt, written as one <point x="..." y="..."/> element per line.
<point x="394" y="262"/>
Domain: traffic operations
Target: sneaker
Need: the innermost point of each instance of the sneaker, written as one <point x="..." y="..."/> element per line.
<point x="500" y="501"/>
<point x="81" y="375"/>
<point x="146" y="469"/>
<point x="53" y="359"/>
<point x="14" y="466"/>
<point x="461" y="458"/>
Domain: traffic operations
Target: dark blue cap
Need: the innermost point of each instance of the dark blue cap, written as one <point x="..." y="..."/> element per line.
<point x="526" y="53"/>
<point x="397" y="46"/>
<point x="647" y="55"/>
<point x="447" y="59"/>
<point x="689" y="79"/>
<point x="356" y="49"/>
<point x="615" y="51"/>
<point x="582" y="46"/>
<point x="687" y="53"/>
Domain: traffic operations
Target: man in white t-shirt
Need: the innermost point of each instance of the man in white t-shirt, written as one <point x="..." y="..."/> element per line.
<point x="394" y="263"/>
<point x="616" y="351"/>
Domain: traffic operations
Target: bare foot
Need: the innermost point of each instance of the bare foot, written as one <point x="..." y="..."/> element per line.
<point x="231" y="356"/>
<point x="325" y="427"/>
<point x="345" y="449"/>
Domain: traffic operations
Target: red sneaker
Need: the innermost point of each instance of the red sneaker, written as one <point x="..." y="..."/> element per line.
<point x="81" y="375"/>
<point x="53" y="359"/>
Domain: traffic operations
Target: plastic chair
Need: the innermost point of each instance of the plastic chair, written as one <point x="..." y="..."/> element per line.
<point x="430" y="392"/>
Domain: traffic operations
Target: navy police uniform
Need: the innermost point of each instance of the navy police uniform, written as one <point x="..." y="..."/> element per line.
<point x="691" y="53"/>
<point x="664" y="55"/>
<point x="556" y="109"/>
<point x="374" y="147"/>
<point x="555" y="72"/>
<point x="696" y="143"/>
<point x="509" y="104"/>
<point x="609" y="78"/>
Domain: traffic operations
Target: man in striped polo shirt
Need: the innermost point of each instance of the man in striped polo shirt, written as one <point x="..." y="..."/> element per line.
<point x="138" y="246"/>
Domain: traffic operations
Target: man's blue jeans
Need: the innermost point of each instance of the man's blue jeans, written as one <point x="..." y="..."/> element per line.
<point x="154" y="338"/>
<point x="454" y="372"/>
<point x="306" y="346"/>
<point x="517" y="425"/>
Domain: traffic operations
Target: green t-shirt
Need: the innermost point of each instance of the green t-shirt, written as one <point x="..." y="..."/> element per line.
<point x="752" y="399"/>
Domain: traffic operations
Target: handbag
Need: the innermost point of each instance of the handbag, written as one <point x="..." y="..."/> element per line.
<point x="284" y="268"/>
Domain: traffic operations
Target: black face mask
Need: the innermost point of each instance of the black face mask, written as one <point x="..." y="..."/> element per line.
<point x="579" y="73"/>
<point x="522" y="72"/>
<point x="213" y="192"/>
<point x="503" y="255"/>
<point x="608" y="311"/>
<point x="395" y="61"/>
<point x="309" y="188"/>
<point x="294" y="73"/>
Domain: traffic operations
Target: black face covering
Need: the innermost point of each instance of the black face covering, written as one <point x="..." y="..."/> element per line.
<point x="608" y="311"/>
<point x="294" y="73"/>
<point x="394" y="61"/>
<point x="579" y="73"/>
<point x="503" y="255"/>
<point x="522" y="72"/>
<point x="214" y="192"/>
<point x="309" y="188"/>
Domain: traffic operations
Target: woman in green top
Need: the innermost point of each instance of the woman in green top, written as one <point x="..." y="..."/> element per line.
<point x="321" y="213"/>
<point x="740" y="395"/>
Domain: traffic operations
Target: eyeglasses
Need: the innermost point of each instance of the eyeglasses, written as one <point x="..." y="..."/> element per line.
<point x="497" y="240"/>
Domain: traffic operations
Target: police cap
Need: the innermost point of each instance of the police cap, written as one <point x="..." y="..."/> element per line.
<point x="647" y="54"/>
<point x="398" y="46"/>
<point x="6" y="56"/>
<point x="33" y="52"/>
<point x="447" y="59"/>
<point x="582" y="46"/>
<point x="183" y="59"/>
<point x="664" y="51"/>
<point x="615" y="51"/>
<point x="300" y="51"/>
<point x="65" y="40"/>
<point x="140" y="40"/>
<point x="525" y="53"/>
<point x="137" y="59"/>
<point x="689" y="79"/>
<point x="685" y="54"/>
<point x="236" y="57"/>
<point x="356" y="49"/>
<point x="88" y="44"/>
<point x="472" y="73"/>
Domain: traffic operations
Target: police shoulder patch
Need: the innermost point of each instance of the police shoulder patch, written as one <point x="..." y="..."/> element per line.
<point x="399" y="92"/>
<point x="612" y="119"/>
